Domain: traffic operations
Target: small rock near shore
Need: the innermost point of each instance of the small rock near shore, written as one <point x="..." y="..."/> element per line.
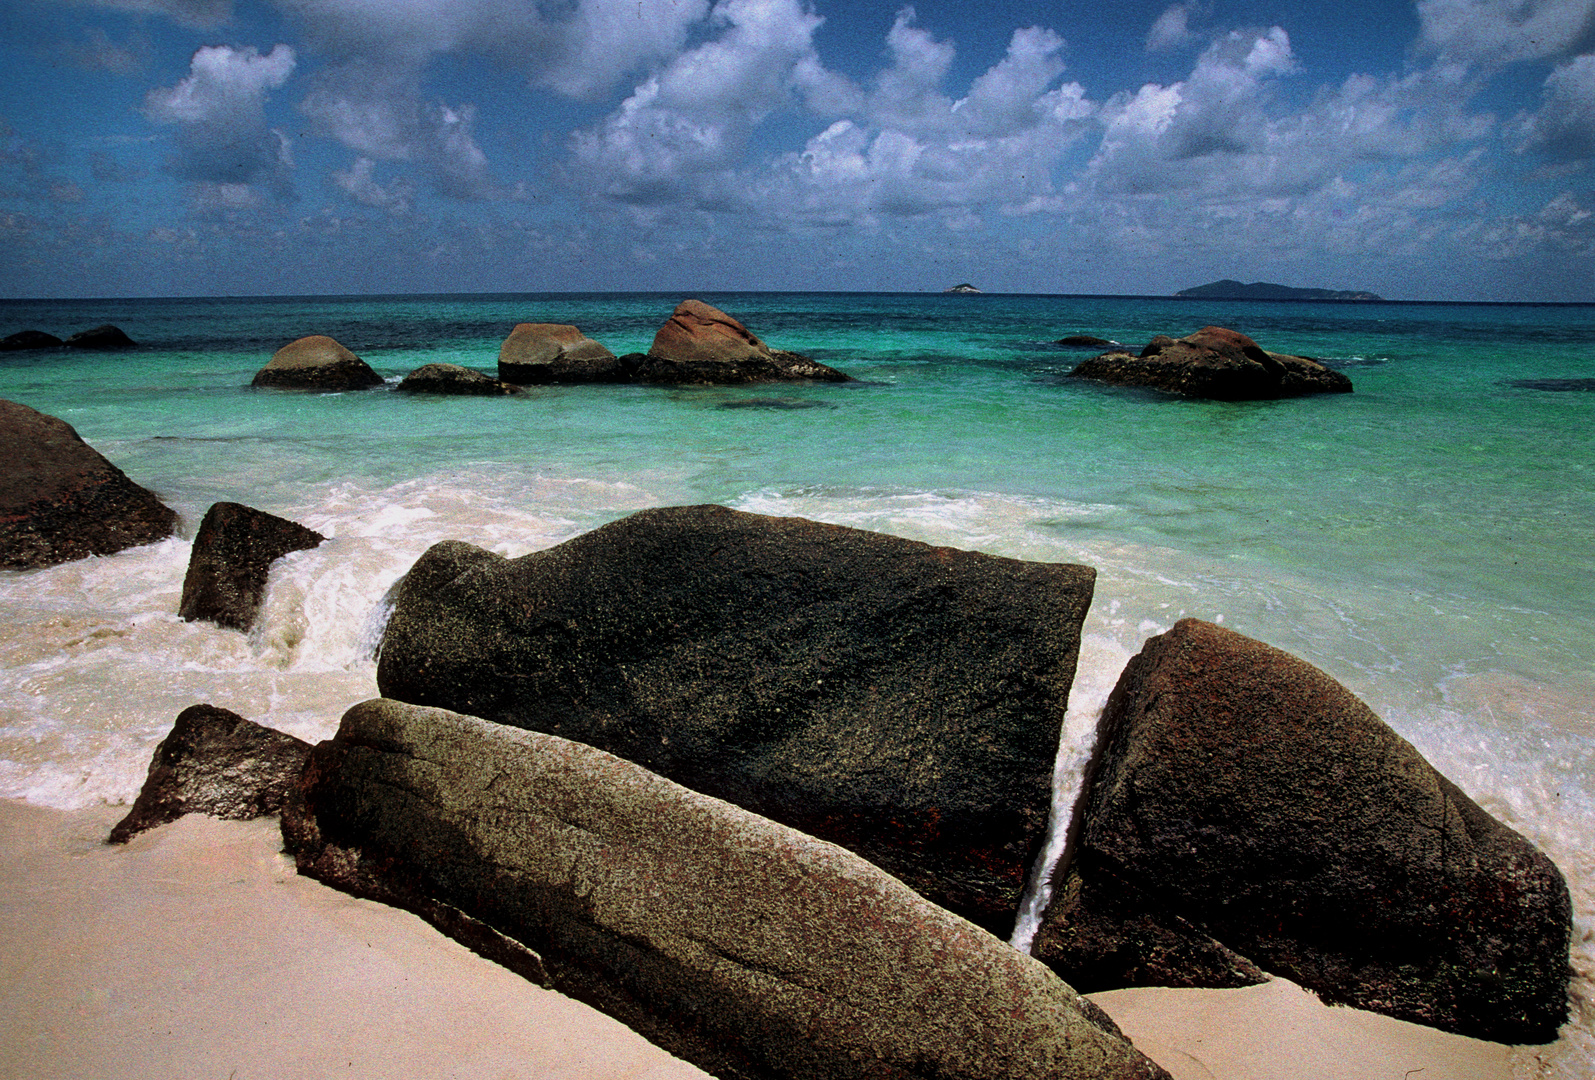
<point x="536" y="354"/>
<point x="232" y="556"/>
<point x="215" y="762"/>
<point x="1216" y="363"/>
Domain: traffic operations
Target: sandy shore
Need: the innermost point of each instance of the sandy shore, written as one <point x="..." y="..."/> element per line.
<point x="196" y="951"/>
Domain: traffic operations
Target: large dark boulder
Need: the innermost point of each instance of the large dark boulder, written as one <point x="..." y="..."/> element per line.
<point x="232" y="556"/>
<point x="901" y="700"/>
<point x="1215" y="363"/>
<point x="29" y="339"/>
<point x="1246" y="805"/>
<point x="703" y="345"/>
<point x="101" y="337"/>
<point x="453" y="380"/>
<point x="732" y="941"/>
<point x="316" y="363"/>
<point x="217" y="763"/>
<point x="61" y="500"/>
<point x="540" y="353"/>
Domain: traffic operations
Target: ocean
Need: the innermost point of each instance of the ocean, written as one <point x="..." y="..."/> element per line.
<point x="1428" y="540"/>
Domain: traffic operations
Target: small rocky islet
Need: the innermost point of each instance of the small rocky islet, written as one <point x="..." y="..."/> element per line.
<point x="803" y="772"/>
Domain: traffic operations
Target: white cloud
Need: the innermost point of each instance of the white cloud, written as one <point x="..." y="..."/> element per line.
<point x="360" y="184"/>
<point x="1171" y="30"/>
<point x="1491" y="32"/>
<point x="1564" y="127"/>
<point x="219" y="110"/>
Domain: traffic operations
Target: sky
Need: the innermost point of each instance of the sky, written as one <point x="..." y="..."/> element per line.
<point x="1443" y="149"/>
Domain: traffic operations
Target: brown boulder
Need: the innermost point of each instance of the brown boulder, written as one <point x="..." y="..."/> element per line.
<point x="215" y="762"/>
<point x="61" y="500"/>
<point x="1214" y="363"/>
<point x="899" y="699"/>
<point x="232" y="556"/>
<point x="539" y="353"/>
<point x="703" y="345"/>
<point x="316" y="363"/>
<point x="1246" y="805"/>
<point x="741" y="945"/>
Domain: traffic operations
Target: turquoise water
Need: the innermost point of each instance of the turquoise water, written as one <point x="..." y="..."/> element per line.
<point x="1427" y="539"/>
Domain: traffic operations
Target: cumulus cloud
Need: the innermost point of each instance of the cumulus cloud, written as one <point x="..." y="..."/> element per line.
<point x="1218" y="111"/>
<point x="1564" y="127"/>
<point x="219" y="110"/>
<point x="900" y="146"/>
<point x="1493" y="32"/>
<point x="679" y="133"/>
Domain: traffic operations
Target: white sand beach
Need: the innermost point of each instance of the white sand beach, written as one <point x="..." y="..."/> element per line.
<point x="197" y="951"/>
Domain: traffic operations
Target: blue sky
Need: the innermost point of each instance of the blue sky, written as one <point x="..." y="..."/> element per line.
<point x="1433" y="150"/>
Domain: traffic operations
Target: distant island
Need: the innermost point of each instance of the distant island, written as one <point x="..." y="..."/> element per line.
<point x="1262" y="290"/>
<point x="965" y="287"/>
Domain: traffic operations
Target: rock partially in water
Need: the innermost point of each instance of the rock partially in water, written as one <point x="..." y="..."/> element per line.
<point x="535" y="354"/>
<point x="455" y="380"/>
<point x="741" y="945"/>
<point x="106" y="337"/>
<point x="1087" y="341"/>
<point x="1245" y="807"/>
<point x="232" y="557"/>
<point x="61" y="500"/>
<point x="703" y="345"/>
<point x="26" y="340"/>
<point x="899" y="699"/>
<point x="1215" y="363"/>
<point x="319" y="363"/>
<point x="215" y="762"/>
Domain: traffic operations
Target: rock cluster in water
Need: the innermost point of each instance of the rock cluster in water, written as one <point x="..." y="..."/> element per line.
<point x="1217" y="363"/>
<point x="767" y="789"/>
<point x="698" y="345"/>
<point x="103" y="338"/>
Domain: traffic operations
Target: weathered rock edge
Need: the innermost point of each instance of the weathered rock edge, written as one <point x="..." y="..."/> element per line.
<point x="1215" y="363"/>
<point x="1245" y="807"/>
<point x="734" y="942"/>
<point x="901" y="700"/>
<point x="215" y="762"/>
<point x="60" y="499"/>
<point x="231" y="560"/>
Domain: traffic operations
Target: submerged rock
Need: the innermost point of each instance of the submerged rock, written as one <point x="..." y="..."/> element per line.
<point x="1088" y="341"/>
<point x="899" y="699"/>
<point x="232" y="556"/>
<point x="61" y="500"/>
<point x="316" y="363"/>
<point x="101" y="337"/>
<point x="539" y="353"/>
<point x="734" y="942"/>
<point x="703" y="345"/>
<point x="215" y="762"/>
<point x="453" y="379"/>
<point x="1248" y="809"/>
<point x="29" y="339"/>
<point x="1214" y="363"/>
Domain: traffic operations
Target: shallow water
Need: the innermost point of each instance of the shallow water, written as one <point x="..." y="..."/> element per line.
<point x="1426" y="540"/>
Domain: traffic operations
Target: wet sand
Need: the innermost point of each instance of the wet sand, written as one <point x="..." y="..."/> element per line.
<point x="196" y="951"/>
